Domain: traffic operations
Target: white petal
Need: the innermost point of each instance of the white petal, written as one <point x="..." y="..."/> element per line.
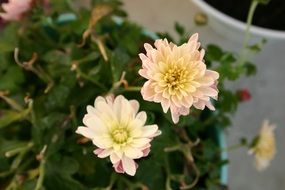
<point x="194" y="37"/>
<point x="98" y="100"/>
<point x="123" y="109"/>
<point x="91" y="109"/>
<point x="174" y="114"/>
<point x="135" y="128"/>
<point x="104" y="110"/>
<point x="206" y="81"/>
<point x="94" y="123"/>
<point x="215" y="75"/>
<point x="129" y="165"/>
<point x="202" y="53"/>
<point x="85" y="131"/>
<point x="210" y="105"/>
<point x="114" y="158"/>
<point x="165" y="105"/>
<point x="140" y="142"/>
<point x="103" y="143"/>
<point x="208" y="91"/>
<point x="199" y="105"/>
<point x="142" y="117"/>
<point x="135" y="105"/>
<point x="133" y="153"/>
<point x="149" y="130"/>
<point x="105" y="153"/>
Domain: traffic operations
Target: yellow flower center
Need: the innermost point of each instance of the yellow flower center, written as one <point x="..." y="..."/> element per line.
<point x="266" y="148"/>
<point x="176" y="77"/>
<point x="120" y="135"/>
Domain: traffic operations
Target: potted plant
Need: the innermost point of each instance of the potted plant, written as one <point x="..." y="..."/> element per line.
<point x="60" y="58"/>
<point x="230" y="18"/>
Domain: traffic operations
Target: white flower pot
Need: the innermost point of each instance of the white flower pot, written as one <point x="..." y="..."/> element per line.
<point x="234" y="29"/>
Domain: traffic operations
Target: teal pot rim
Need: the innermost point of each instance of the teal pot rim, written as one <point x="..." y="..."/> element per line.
<point x="221" y="140"/>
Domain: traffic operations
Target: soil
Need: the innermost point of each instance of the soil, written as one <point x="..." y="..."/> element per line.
<point x="270" y="16"/>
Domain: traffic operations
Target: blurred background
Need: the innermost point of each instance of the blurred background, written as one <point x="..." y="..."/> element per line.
<point x="267" y="89"/>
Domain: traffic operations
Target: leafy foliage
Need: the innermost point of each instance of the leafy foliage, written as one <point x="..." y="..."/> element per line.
<point x="45" y="96"/>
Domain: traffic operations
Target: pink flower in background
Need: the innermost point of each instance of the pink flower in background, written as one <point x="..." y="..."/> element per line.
<point x="118" y="130"/>
<point x="177" y="77"/>
<point x="15" y="9"/>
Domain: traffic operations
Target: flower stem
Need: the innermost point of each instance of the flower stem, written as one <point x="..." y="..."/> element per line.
<point x="15" y="151"/>
<point x="10" y="101"/>
<point x="253" y="6"/>
<point x="133" y="88"/>
<point x="233" y="147"/>
<point x="90" y="79"/>
<point x="41" y="175"/>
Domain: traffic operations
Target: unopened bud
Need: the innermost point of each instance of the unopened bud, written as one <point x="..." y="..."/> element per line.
<point x="201" y="19"/>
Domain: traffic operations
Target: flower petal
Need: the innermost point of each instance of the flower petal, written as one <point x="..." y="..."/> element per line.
<point x="85" y="131"/>
<point x="105" y="153"/>
<point x="140" y="142"/>
<point x="114" y="158"/>
<point x="129" y="166"/>
<point x="133" y="153"/>
<point x="149" y="130"/>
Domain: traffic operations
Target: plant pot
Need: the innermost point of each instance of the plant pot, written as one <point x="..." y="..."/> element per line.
<point x="220" y="138"/>
<point x="234" y="29"/>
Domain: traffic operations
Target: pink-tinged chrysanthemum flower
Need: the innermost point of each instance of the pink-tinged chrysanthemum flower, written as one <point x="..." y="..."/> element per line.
<point x="264" y="149"/>
<point x="118" y="130"/>
<point x="177" y="77"/>
<point x="15" y="9"/>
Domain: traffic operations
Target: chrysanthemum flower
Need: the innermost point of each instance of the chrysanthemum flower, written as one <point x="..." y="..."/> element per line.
<point x="264" y="149"/>
<point x="118" y="130"/>
<point x="177" y="77"/>
<point x="15" y="9"/>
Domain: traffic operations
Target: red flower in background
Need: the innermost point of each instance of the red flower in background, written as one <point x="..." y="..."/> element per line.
<point x="243" y="95"/>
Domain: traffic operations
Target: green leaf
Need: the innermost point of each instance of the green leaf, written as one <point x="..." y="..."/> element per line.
<point x="257" y="47"/>
<point x="227" y="58"/>
<point x="228" y="101"/>
<point x="8" y="42"/>
<point x="12" y="78"/>
<point x="8" y="116"/>
<point x="59" y="171"/>
<point x="179" y="29"/>
<point x="7" y="145"/>
<point x="213" y="53"/>
<point x="118" y="61"/>
<point x="56" y="57"/>
<point x="250" y="69"/>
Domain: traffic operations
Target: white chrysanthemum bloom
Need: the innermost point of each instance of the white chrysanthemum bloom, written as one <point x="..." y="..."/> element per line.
<point x="15" y="9"/>
<point x="118" y="130"/>
<point x="177" y="77"/>
<point x="264" y="149"/>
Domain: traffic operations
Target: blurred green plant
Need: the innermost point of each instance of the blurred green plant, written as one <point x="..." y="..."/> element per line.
<point x="52" y="67"/>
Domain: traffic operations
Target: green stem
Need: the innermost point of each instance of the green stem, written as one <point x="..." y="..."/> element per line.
<point x="41" y="175"/>
<point x="128" y="89"/>
<point x="11" y="102"/>
<point x="133" y="88"/>
<point x="168" y="174"/>
<point x="114" y="177"/>
<point x="13" y="184"/>
<point x="233" y="147"/>
<point x="86" y="77"/>
<point x="6" y="173"/>
<point x="15" y="151"/>
<point x="253" y="6"/>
